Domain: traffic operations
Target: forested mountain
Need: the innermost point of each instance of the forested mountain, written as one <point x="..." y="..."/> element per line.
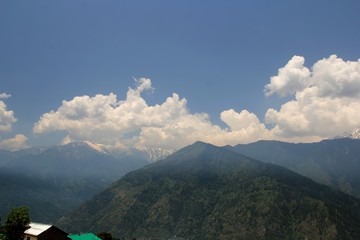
<point x="207" y="192"/>
<point x="335" y="162"/>
<point x="46" y="199"/>
<point x="53" y="180"/>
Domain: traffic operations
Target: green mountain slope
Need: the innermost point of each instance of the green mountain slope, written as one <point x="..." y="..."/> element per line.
<point x="206" y="192"/>
<point x="335" y="163"/>
<point x="54" y="181"/>
<point x="46" y="200"/>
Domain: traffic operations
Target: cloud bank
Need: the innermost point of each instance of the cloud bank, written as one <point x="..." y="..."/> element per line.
<point x="7" y="119"/>
<point x="132" y="122"/>
<point x="324" y="101"/>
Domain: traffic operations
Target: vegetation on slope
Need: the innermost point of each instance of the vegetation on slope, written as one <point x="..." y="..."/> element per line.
<point x="335" y="163"/>
<point x="55" y="180"/>
<point x="205" y="192"/>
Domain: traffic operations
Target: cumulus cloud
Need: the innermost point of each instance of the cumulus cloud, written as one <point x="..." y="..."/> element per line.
<point x="6" y="116"/>
<point x="7" y="119"/>
<point x="326" y="101"/>
<point x="4" y="95"/>
<point x="132" y="122"/>
<point x="15" y="143"/>
<point x="290" y="79"/>
<point x="336" y="78"/>
<point x="103" y="118"/>
<point x="245" y="125"/>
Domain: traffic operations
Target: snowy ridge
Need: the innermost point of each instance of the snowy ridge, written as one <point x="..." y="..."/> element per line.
<point x="77" y="147"/>
<point x="154" y="154"/>
<point x="355" y="134"/>
<point x="97" y="147"/>
<point x="150" y="154"/>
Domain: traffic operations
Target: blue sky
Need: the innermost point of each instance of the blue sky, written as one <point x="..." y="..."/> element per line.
<point x="216" y="56"/>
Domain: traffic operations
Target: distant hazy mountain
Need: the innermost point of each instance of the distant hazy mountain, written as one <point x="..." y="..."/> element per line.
<point x="53" y="180"/>
<point x="207" y="192"/>
<point x="147" y="154"/>
<point x="72" y="160"/>
<point x="335" y="162"/>
<point x="152" y="154"/>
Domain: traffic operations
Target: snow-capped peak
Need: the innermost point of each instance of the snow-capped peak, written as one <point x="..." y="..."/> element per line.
<point x="154" y="154"/>
<point x="355" y="134"/>
<point x="96" y="147"/>
<point x="150" y="154"/>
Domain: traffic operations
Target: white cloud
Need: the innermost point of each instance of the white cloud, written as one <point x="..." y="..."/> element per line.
<point x="6" y="116"/>
<point x="245" y="125"/>
<point x="327" y="106"/>
<point x="7" y="119"/>
<point x="15" y="143"/>
<point x="290" y="79"/>
<point x="101" y="116"/>
<point x="104" y="119"/>
<point x="325" y="103"/>
<point x="337" y="78"/>
<point x="4" y="95"/>
<point x="132" y="122"/>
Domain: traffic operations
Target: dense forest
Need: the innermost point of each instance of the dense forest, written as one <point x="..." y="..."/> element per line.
<point x="207" y="192"/>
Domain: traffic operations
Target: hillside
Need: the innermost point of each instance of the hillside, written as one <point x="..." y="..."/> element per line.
<point x="335" y="162"/>
<point x="207" y="192"/>
<point x="52" y="181"/>
<point x="46" y="200"/>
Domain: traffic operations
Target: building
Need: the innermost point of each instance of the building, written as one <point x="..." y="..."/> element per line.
<point x="39" y="231"/>
<point x="85" y="236"/>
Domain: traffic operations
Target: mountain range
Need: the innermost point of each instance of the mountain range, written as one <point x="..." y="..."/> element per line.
<point x="208" y="192"/>
<point x="334" y="162"/>
<point x="53" y="180"/>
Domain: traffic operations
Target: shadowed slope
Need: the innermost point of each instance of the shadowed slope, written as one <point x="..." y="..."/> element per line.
<point x="207" y="192"/>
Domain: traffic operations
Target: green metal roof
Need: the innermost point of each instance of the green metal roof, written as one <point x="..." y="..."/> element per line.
<point x="85" y="236"/>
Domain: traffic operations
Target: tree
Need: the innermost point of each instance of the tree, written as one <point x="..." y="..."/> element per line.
<point x="105" y="236"/>
<point x="2" y="235"/>
<point x="16" y="222"/>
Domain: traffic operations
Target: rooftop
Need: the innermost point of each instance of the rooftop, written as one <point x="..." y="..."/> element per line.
<point x="37" y="228"/>
<point x="85" y="236"/>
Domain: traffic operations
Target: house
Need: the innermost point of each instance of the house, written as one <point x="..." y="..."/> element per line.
<point x="85" y="236"/>
<point x="39" y="231"/>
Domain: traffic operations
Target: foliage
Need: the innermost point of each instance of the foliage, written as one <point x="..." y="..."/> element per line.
<point x="205" y="192"/>
<point x="57" y="179"/>
<point x="335" y="162"/>
<point x="2" y="231"/>
<point x="16" y="222"/>
<point x="105" y="236"/>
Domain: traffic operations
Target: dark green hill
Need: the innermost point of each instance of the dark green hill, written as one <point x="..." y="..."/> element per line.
<point x="53" y="181"/>
<point x="335" y="162"/>
<point x="206" y="192"/>
<point x="46" y="200"/>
